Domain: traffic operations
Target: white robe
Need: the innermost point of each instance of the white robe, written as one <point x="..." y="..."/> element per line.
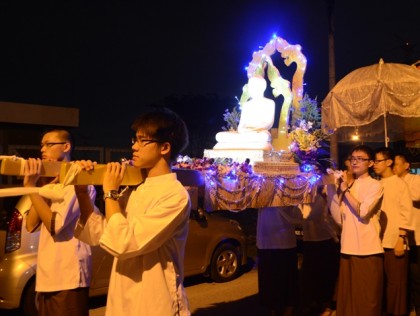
<point x="64" y="262"/>
<point x="360" y="235"/>
<point x="148" y="243"/>
<point x="413" y="182"/>
<point x="398" y="208"/>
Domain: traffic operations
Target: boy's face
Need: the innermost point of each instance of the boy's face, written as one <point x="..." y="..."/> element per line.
<point x="360" y="163"/>
<point x="400" y="166"/>
<point x="146" y="151"/>
<point x="381" y="164"/>
<point x="53" y="148"/>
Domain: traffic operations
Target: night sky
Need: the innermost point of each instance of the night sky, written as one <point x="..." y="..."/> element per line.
<point x="111" y="59"/>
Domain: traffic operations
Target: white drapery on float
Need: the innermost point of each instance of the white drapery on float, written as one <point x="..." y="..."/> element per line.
<point x="256" y="191"/>
<point x="237" y="186"/>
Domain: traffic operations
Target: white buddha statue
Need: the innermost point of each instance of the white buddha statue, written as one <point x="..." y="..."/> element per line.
<point x="257" y="118"/>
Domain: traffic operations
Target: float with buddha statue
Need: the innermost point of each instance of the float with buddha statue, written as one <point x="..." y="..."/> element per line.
<point x="253" y="165"/>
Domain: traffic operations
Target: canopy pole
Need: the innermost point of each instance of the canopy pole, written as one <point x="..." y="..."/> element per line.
<point x="331" y="76"/>
<point x="386" y="131"/>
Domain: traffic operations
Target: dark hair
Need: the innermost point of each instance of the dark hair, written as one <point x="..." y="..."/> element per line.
<point x="63" y="134"/>
<point x="366" y="149"/>
<point x="386" y="152"/>
<point x="166" y="126"/>
<point x="403" y="157"/>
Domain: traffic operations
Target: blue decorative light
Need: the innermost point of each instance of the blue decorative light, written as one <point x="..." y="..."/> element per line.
<point x="231" y="176"/>
<point x="307" y="167"/>
<point x="314" y="179"/>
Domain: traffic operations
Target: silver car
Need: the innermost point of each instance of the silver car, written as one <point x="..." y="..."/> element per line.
<point x="216" y="247"/>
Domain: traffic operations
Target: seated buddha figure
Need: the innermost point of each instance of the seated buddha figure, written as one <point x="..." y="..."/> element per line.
<point x="257" y="118"/>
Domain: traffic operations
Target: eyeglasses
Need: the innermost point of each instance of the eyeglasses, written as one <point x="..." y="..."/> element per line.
<point x="143" y="142"/>
<point x="379" y="160"/>
<point x="49" y="145"/>
<point x="358" y="159"/>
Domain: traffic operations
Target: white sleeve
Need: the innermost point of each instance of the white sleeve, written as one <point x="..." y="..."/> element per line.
<point x="406" y="208"/>
<point x="414" y="186"/>
<point x="334" y="204"/>
<point x="372" y="200"/>
<point x="64" y="211"/>
<point x="146" y="232"/>
<point x="92" y="231"/>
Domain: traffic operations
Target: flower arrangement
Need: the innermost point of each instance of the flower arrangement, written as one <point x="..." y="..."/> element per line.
<point x="232" y="119"/>
<point x="308" y="141"/>
<point x="223" y="166"/>
<point x="305" y="138"/>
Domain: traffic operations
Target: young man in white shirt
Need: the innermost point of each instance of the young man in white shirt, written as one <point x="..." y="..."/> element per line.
<point x="402" y="169"/>
<point x="356" y="208"/>
<point x="64" y="262"/>
<point x="396" y="218"/>
<point x="147" y="236"/>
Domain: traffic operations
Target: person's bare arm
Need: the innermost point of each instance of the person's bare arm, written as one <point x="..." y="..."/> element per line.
<point x="32" y="220"/>
<point x="82" y="193"/>
<point x="40" y="210"/>
<point x="353" y="203"/>
<point x="85" y="202"/>
<point x="112" y="181"/>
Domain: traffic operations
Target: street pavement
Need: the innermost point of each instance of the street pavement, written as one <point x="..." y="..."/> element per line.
<point x="237" y="297"/>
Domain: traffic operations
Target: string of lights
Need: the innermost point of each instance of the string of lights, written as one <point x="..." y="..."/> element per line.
<point x="224" y="192"/>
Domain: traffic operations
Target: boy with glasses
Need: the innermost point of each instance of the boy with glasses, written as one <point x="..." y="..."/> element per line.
<point x="147" y="235"/>
<point x="64" y="262"/>
<point x="356" y="208"/>
<point x="396" y="216"/>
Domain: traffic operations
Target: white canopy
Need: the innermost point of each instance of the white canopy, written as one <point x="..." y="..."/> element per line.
<point x="367" y="93"/>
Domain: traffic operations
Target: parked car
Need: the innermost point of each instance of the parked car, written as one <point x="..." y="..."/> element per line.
<point x="216" y="247"/>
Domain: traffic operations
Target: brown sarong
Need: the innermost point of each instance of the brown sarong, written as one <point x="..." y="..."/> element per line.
<point x="360" y="285"/>
<point x="64" y="303"/>
<point x="395" y="286"/>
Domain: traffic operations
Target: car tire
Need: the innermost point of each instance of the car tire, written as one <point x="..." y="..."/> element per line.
<point x="27" y="303"/>
<point x="226" y="263"/>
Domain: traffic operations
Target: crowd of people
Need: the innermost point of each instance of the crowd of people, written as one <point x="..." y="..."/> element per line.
<point x="361" y="234"/>
<point x="360" y="246"/>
